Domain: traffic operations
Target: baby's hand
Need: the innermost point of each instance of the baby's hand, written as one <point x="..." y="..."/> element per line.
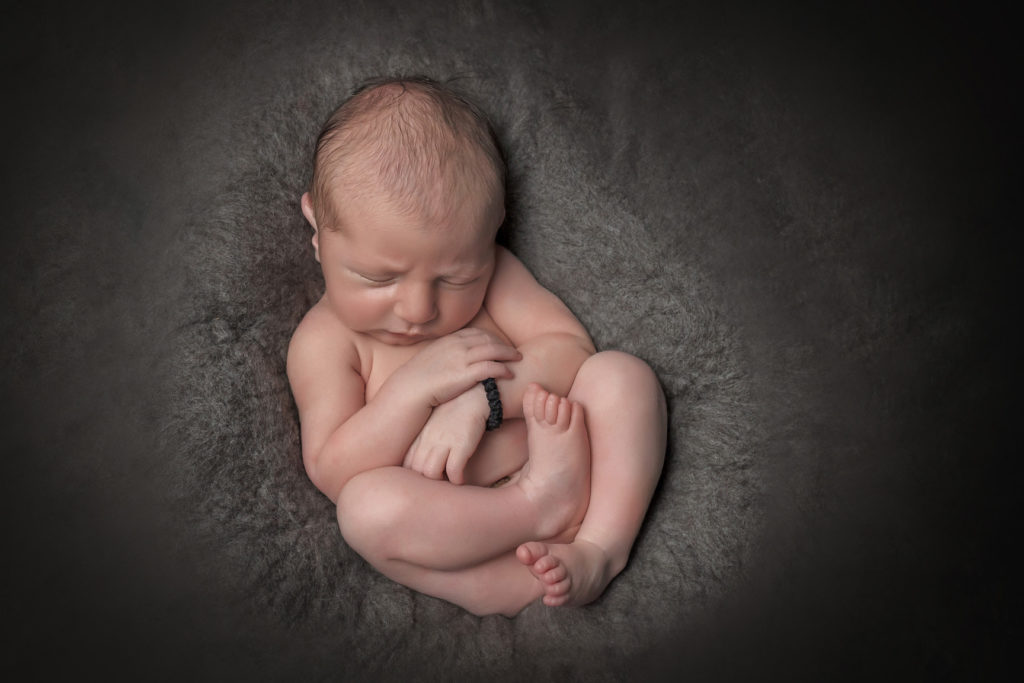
<point x="450" y="437"/>
<point x="448" y="366"/>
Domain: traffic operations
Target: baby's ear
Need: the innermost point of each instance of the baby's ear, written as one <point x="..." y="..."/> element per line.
<point x="307" y="211"/>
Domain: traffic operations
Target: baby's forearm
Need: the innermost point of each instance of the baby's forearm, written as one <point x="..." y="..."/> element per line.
<point x="378" y="435"/>
<point x="551" y="360"/>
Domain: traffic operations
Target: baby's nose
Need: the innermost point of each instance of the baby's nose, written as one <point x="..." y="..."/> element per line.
<point x="417" y="303"/>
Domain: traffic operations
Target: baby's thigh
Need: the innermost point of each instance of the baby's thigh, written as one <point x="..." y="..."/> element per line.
<point x="501" y="454"/>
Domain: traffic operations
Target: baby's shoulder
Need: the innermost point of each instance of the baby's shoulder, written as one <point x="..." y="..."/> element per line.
<point x="505" y="259"/>
<point x="321" y="339"/>
<point x="509" y="275"/>
<point x="522" y="307"/>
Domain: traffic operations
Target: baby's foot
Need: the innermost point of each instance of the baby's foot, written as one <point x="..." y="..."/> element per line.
<point x="572" y="574"/>
<point x="556" y="478"/>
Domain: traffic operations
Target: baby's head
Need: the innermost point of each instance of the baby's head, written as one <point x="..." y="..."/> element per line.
<point x="407" y="196"/>
<point x="411" y="142"/>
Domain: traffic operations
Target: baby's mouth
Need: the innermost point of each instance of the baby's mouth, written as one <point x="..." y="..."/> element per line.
<point x="408" y="337"/>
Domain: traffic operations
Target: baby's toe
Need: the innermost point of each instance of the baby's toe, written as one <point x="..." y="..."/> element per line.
<point x="565" y="408"/>
<point x="545" y="564"/>
<point x="551" y="408"/>
<point x="555" y="575"/>
<point x="530" y="400"/>
<point x="529" y="553"/>
<point x="560" y="588"/>
<point x="540" y="405"/>
<point x="557" y="599"/>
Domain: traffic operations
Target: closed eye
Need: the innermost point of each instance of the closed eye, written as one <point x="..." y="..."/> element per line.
<point x="378" y="279"/>
<point x="458" y="283"/>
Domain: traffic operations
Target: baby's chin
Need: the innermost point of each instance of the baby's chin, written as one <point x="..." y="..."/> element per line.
<point x="412" y="338"/>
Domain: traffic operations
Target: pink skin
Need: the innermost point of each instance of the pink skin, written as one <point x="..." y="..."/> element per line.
<point x="392" y="339"/>
<point x="556" y="433"/>
<point x="571" y="574"/>
<point x="578" y="572"/>
<point x="400" y="279"/>
<point x="394" y="516"/>
<point x="555" y="422"/>
<point x="572" y="568"/>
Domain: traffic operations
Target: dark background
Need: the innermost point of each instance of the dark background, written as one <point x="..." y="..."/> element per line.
<point x="911" y="558"/>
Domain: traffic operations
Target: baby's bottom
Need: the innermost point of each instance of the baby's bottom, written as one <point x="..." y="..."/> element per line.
<point x="459" y="543"/>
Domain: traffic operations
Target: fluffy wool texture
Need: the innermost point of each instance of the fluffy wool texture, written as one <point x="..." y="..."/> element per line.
<point x="252" y="277"/>
<point x="739" y="202"/>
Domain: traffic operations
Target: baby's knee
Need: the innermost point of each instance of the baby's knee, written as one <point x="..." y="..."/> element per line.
<point x="617" y="375"/>
<point x="368" y="513"/>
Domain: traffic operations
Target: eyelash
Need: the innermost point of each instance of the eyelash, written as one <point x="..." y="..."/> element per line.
<point x="459" y="284"/>
<point x="388" y="281"/>
<point x="383" y="281"/>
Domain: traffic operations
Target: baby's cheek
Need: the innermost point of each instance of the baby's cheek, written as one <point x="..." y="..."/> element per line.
<point x="463" y="311"/>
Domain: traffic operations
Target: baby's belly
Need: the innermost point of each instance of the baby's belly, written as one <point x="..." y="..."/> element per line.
<point x="501" y="453"/>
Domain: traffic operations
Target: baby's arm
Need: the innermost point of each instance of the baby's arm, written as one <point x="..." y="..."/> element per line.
<point x="342" y="435"/>
<point x="553" y="342"/>
<point x="553" y="345"/>
<point x="450" y="437"/>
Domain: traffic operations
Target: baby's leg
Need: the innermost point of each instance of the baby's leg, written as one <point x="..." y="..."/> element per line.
<point x="626" y="419"/>
<point x="394" y="515"/>
<point x="501" y="585"/>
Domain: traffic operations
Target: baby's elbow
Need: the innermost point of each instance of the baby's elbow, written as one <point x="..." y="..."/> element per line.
<point x="324" y="479"/>
<point x="559" y="342"/>
<point x="580" y="344"/>
<point x="585" y="344"/>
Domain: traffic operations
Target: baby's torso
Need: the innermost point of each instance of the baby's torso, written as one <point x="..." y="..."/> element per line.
<point x="501" y="453"/>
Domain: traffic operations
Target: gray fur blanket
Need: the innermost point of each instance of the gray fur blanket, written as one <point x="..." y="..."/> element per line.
<point x="796" y="218"/>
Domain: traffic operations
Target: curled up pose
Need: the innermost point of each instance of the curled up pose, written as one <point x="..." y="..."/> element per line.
<point x="388" y="370"/>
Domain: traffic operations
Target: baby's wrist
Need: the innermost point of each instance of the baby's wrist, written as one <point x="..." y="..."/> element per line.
<point x="474" y="401"/>
<point x="404" y="395"/>
<point x="494" y="409"/>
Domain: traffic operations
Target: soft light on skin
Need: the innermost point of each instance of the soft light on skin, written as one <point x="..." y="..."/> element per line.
<point x="404" y="278"/>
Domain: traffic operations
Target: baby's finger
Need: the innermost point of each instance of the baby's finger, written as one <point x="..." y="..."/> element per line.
<point x="417" y="461"/>
<point x="456" y="467"/>
<point x="410" y="455"/>
<point x="492" y="350"/>
<point x="421" y="460"/>
<point x="478" y="335"/>
<point x="434" y="466"/>
<point x="481" y="371"/>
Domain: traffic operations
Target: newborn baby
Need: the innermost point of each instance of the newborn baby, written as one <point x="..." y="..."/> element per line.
<point x="477" y="446"/>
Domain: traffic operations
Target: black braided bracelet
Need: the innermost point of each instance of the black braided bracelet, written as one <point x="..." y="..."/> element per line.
<point x="494" y="401"/>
